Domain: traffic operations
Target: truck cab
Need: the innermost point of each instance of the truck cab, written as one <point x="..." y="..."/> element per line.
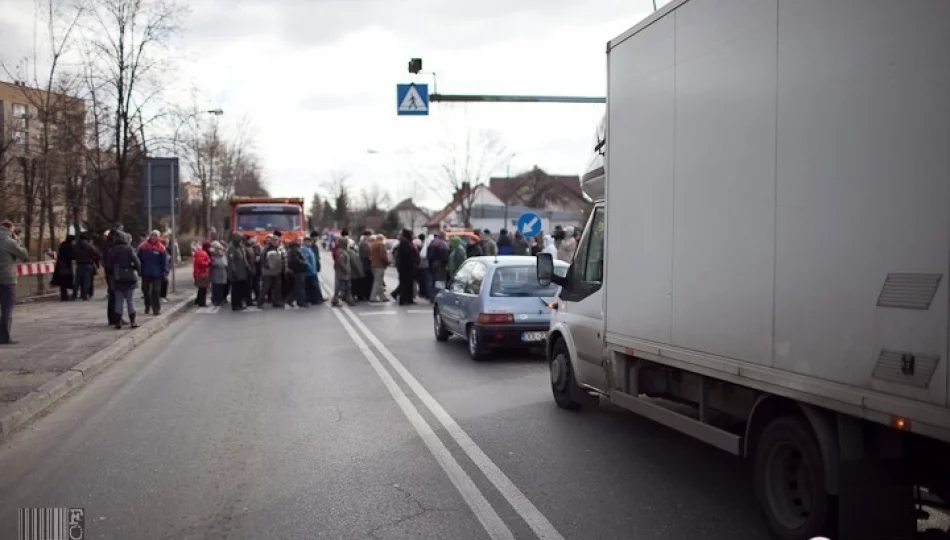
<point x="575" y="342"/>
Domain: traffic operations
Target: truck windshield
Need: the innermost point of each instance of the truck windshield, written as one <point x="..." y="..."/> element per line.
<point x="522" y="281"/>
<point x="268" y="222"/>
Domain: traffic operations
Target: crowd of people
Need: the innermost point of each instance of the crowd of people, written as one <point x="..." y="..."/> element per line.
<point x="423" y="263"/>
<point x="251" y="275"/>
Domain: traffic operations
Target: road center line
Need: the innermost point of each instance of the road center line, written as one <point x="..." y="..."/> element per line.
<point x="466" y="487"/>
<point x="524" y="507"/>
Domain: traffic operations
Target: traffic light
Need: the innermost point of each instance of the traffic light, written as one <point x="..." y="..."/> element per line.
<point x="415" y="65"/>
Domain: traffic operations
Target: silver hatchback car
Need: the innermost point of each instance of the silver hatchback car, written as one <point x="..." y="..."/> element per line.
<point x="496" y="302"/>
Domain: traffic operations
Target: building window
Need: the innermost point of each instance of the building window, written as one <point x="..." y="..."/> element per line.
<point x="18" y="110"/>
<point x="19" y="139"/>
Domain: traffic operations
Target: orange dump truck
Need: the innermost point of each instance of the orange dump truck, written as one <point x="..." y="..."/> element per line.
<point x="261" y="216"/>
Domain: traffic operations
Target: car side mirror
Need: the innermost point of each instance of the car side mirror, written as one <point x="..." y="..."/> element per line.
<point x="545" y="269"/>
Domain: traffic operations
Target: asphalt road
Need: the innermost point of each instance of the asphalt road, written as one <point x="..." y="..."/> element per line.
<point x="356" y="423"/>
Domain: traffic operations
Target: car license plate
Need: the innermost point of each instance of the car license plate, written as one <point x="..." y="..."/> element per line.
<point x="527" y="337"/>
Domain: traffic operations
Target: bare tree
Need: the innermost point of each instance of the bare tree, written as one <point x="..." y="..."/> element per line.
<point x="468" y="163"/>
<point x="374" y="199"/>
<point x="316" y="209"/>
<point x="122" y="39"/>
<point x="339" y="192"/>
<point x="205" y="150"/>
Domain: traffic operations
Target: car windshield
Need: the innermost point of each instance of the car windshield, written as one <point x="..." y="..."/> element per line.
<point x="268" y="222"/>
<point x="522" y="281"/>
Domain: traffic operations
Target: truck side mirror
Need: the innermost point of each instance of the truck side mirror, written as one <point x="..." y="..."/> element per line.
<point x="545" y="269"/>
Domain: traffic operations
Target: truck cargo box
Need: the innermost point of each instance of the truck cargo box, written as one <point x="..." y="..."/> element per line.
<point x="778" y="198"/>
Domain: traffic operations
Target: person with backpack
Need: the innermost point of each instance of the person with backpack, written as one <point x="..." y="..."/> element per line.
<point x="272" y="273"/>
<point x="297" y="264"/>
<point x="124" y="266"/>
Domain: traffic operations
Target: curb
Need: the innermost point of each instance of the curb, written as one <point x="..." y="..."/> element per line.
<point x="38" y="401"/>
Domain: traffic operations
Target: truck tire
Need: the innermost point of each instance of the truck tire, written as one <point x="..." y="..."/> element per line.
<point x="567" y="394"/>
<point x="790" y="481"/>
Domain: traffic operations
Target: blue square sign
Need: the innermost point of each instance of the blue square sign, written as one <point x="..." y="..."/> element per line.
<point x="412" y="99"/>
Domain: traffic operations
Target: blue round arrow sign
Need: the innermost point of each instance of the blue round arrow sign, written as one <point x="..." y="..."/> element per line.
<point x="529" y="224"/>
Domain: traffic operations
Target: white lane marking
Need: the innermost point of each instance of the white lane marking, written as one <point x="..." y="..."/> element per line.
<point x="425" y="311"/>
<point x="525" y="508"/>
<point x="480" y="506"/>
<point x="368" y="313"/>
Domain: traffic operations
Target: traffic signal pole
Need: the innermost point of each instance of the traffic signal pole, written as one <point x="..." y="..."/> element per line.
<point x="460" y="98"/>
<point x="415" y="67"/>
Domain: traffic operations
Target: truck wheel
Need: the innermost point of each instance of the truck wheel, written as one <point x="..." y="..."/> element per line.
<point x="441" y="334"/>
<point x="567" y="394"/>
<point x="790" y="480"/>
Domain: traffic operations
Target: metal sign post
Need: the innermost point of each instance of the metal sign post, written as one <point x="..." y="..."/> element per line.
<point x="174" y="232"/>
<point x="148" y="182"/>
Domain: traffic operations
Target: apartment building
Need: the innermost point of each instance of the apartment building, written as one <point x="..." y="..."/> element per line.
<point x="40" y="133"/>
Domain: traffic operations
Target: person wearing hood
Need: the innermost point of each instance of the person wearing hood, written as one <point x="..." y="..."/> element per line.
<point x="124" y="266"/>
<point x="504" y="243"/>
<point x="219" y="273"/>
<point x="63" y="276"/>
<point x="11" y="251"/>
<point x="457" y="256"/>
<point x="549" y="246"/>
<point x="565" y="251"/>
<point x="311" y="281"/>
<point x="201" y="269"/>
<point x="153" y="260"/>
<point x="239" y="271"/>
<point x="343" y="269"/>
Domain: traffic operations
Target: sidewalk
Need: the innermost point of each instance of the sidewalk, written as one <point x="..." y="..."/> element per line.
<point x="55" y="337"/>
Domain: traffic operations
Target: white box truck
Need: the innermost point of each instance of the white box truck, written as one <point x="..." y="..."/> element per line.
<point x="766" y="265"/>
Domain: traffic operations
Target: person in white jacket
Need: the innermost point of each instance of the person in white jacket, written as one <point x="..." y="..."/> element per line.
<point x="565" y="251"/>
<point x="549" y="246"/>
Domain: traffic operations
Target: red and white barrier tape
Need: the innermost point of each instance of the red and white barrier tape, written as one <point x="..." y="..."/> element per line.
<point x="35" y="269"/>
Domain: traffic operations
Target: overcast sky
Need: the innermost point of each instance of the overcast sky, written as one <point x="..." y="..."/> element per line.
<point x="317" y="80"/>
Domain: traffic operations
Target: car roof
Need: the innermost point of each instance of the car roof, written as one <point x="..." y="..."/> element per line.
<point x="512" y="260"/>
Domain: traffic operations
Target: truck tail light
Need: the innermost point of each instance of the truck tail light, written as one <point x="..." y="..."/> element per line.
<point x="495" y="318"/>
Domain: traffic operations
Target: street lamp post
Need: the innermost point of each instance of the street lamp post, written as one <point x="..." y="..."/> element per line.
<point x="508" y="179"/>
<point x="174" y="231"/>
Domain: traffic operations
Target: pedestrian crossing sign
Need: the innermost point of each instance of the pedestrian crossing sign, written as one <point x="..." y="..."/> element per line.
<point x="412" y="99"/>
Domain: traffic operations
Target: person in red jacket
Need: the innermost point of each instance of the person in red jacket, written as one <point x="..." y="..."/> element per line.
<point x="202" y="273"/>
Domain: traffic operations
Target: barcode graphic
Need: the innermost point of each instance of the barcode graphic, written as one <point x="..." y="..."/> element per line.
<point x="51" y="523"/>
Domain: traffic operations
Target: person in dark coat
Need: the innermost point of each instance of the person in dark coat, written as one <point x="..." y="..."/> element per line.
<point x="63" y="276"/>
<point x="239" y="271"/>
<point x="87" y="260"/>
<point x="364" y="285"/>
<point x="112" y="240"/>
<point x="504" y="243"/>
<point x="123" y="265"/>
<point x="407" y="260"/>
